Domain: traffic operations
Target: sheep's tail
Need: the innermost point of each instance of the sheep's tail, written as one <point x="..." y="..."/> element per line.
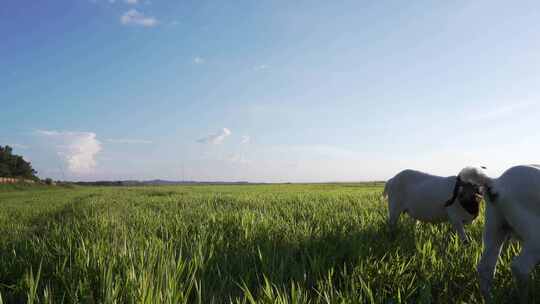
<point x="475" y="175"/>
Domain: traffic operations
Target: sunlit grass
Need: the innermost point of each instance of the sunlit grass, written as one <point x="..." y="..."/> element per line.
<point x="234" y="244"/>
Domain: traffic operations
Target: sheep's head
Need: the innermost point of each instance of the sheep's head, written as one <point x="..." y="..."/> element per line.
<point x="468" y="195"/>
<point x="474" y="175"/>
<point x="477" y="176"/>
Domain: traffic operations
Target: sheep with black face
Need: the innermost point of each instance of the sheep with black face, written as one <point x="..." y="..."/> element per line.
<point x="512" y="209"/>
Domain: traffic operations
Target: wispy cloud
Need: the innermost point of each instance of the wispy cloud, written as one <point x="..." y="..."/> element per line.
<point x="47" y="132"/>
<point x="79" y="149"/>
<point x="500" y="111"/>
<point x="131" y="2"/>
<point x="238" y="158"/>
<point x="99" y="1"/>
<point x="128" y="141"/>
<point x="134" y="17"/>
<point x="216" y="138"/>
<point x="198" y="60"/>
<point x="261" y="67"/>
<point x="245" y="140"/>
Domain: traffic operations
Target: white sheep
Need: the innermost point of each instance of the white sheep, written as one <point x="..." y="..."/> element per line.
<point x="429" y="198"/>
<point x="512" y="208"/>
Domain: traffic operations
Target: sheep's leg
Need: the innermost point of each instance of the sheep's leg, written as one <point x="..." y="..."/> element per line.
<point x="486" y="266"/>
<point x="394" y="211"/>
<point x="461" y="232"/>
<point x="457" y="224"/>
<point x="522" y="266"/>
<point x="494" y="237"/>
<point x="458" y="227"/>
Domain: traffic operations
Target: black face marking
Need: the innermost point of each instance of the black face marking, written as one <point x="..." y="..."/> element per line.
<point x="454" y="193"/>
<point x="469" y="199"/>
<point x="468" y="195"/>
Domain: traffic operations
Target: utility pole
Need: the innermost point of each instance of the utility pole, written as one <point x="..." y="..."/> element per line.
<point x="183" y="173"/>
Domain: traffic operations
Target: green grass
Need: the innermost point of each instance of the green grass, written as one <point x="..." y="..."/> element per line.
<point x="325" y="243"/>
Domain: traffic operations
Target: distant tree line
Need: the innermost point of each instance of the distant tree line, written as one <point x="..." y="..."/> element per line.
<point x="12" y="165"/>
<point x="100" y="183"/>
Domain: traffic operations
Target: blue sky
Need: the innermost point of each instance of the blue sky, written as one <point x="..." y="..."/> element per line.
<point x="269" y="90"/>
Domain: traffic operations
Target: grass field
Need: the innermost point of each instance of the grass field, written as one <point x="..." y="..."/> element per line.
<point x="325" y="243"/>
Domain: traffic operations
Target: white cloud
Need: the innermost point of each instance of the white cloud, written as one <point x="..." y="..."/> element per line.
<point x="128" y="141"/>
<point x="260" y="67"/>
<point x="198" y="60"/>
<point x="239" y="159"/>
<point x="79" y="149"/>
<point x="245" y="139"/>
<point x="500" y="111"/>
<point x="216" y="138"/>
<point x="131" y="1"/>
<point x="134" y="17"/>
<point x="47" y="133"/>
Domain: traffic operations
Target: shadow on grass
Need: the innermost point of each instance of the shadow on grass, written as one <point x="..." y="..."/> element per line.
<point x="307" y="260"/>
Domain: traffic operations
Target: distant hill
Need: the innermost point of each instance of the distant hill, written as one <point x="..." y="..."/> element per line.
<point x="162" y="182"/>
<point x="157" y="182"/>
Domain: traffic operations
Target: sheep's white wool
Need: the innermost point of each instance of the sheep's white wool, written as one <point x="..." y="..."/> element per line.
<point x="513" y="211"/>
<point x="475" y="176"/>
<point x="423" y="197"/>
